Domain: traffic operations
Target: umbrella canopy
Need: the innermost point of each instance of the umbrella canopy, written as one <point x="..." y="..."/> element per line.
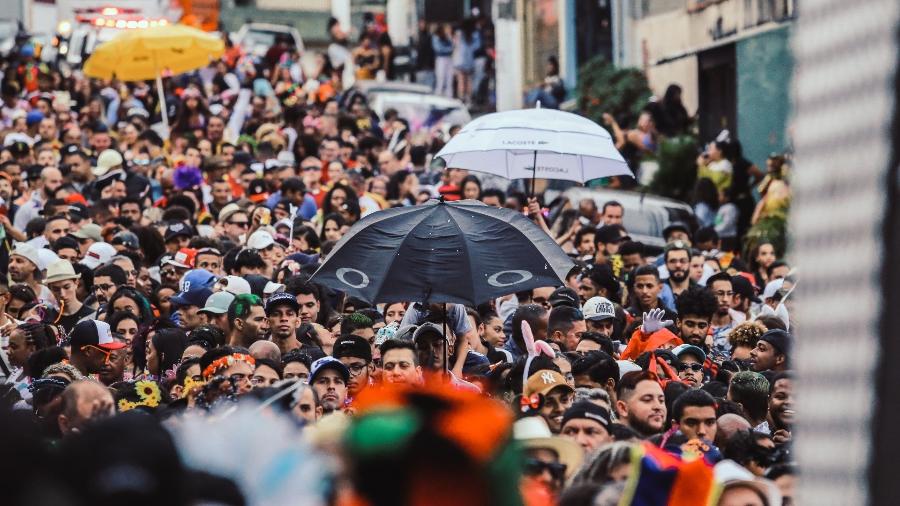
<point x="142" y="54"/>
<point x="461" y="252"/>
<point x="565" y="145"/>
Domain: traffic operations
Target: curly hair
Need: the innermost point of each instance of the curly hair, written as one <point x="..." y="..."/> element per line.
<point x="697" y="301"/>
<point x="746" y="334"/>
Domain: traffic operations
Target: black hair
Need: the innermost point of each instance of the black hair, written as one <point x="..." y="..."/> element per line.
<point x="296" y="355"/>
<point x="693" y="397"/>
<point x="611" y="203"/>
<point x="706" y="234"/>
<point x="126" y="292"/>
<point x="583" y="231"/>
<point x="181" y="371"/>
<point x="563" y="318"/>
<point x="715" y="388"/>
<point x="494" y="192"/>
<point x="271" y="364"/>
<point x="776" y="264"/>
<point x="240" y="306"/>
<point x="42" y="359"/>
<point x="646" y="270"/>
<point x="514" y="379"/>
<point x="353" y="322"/>
<point x="630" y="248"/>
<point x="745" y="389"/>
<point x="214" y="336"/>
<point x="399" y="344"/>
<point x="119" y="316"/>
<point x="531" y="313"/>
<point x="114" y="272"/>
<point x="697" y="301"/>
<point x="719" y="276"/>
<point x="599" y="366"/>
<point x="170" y="345"/>
<point x="249" y="258"/>
<point x="606" y="344"/>
<point x="743" y="447"/>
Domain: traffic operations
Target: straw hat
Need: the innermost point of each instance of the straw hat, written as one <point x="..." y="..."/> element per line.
<point x="532" y="432"/>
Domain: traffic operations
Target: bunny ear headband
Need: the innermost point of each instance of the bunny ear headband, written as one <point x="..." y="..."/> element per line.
<point x="534" y="349"/>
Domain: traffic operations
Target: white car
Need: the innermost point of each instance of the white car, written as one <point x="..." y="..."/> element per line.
<point x="257" y="38"/>
<point x="415" y="103"/>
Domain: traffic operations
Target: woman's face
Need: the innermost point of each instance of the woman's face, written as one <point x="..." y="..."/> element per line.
<point x="332" y="231"/>
<point x="471" y="191"/>
<point x="191" y="103"/>
<point x="394" y="313"/>
<point x="130" y="134"/>
<point x="165" y="307"/>
<point x="129" y="330"/>
<point x="125" y="304"/>
<point x="379" y="188"/>
<point x="645" y="122"/>
<point x="335" y="171"/>
<point x="338" y="199"/>
<point x="410" y="185"/>
<point x="152" y="358"/>
<point x="766" y="255"/>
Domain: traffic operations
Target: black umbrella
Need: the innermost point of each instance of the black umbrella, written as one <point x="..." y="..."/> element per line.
<point x="458" y="252"/>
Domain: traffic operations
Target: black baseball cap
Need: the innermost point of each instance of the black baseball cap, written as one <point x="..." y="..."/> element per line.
<point x="77" y="212"/>
<point x="352" y="346"/>
<point x="94" y="333"/>
<point x="281" y="298"/>
<point x="73" y="149"/>
<point x="778" y="338"/>
<point x="676" y="225"/>
<point x="586" y="410"/>
<point x="564" y="296"/>
<point x="742" y="287"/>
<point x="612" y="234"/>
<point x="178" y="229"/>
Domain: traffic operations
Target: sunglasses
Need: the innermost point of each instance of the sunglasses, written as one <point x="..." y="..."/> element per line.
<point x="107" y="354"/>
<point x="535" y="467"/>
<point x="693" y="367"/>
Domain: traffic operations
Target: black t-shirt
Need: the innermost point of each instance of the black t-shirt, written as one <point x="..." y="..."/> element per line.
<point x="68" y="322"/>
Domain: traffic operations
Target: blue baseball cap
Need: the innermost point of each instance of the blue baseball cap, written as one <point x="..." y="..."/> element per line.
<point x="196" y="286"/>
<point x="281" y="298"/>
<point x="328" y="363"/>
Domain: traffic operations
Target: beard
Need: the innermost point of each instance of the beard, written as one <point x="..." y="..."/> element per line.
<point x="642" y="427"/>
<point x="678" y="276"/>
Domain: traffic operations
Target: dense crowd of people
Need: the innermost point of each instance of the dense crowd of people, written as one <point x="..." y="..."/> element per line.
<point x="163" y="341"/>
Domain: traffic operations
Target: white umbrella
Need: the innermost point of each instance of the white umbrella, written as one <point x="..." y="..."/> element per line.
<point x="543" y="143"/>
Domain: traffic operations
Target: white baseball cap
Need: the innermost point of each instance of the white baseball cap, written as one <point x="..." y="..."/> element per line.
<point x="598" y="308"/>
<point x="98" y="254"/>
<point x="108" y="159"/>
<point x="260" y="240"/>
<point x="235" y="285"/>
<point x="772" y="288"/>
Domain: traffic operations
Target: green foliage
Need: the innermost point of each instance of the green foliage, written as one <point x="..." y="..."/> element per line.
<point x="603" y="88"/>
<point x="772" y="229"/>
<point x="677" y="158"/>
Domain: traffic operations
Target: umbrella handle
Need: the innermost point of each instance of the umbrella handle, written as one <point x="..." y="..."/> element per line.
<point x="534" y="170"/>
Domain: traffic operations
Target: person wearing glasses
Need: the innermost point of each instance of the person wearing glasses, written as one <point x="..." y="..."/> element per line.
<point x="690" y="364"/>
<point x="92" y="345"/>
<point x="355" y="353"/>
<point x="235" y="223"/>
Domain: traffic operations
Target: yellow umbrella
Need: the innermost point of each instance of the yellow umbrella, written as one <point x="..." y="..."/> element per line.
<point x="145" y="53"/>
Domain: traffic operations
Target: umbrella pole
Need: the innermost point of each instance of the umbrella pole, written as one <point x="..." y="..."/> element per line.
<point x="533" y="172"/>
<point x="162" y="104"/>
<point x="446" y="343"/>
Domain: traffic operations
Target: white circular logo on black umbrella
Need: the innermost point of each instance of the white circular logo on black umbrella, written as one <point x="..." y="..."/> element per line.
<point x="512" y="277"/>
<point x="343" y="272"/>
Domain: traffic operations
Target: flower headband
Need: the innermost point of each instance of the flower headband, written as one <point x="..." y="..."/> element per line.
<point x="225" y="362"/>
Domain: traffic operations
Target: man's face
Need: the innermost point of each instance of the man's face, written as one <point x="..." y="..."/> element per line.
<point x="176" y="243"/>
<point x="131" y="210"/>
<point x="399" y="366"/>
<point x="56" y="229"/>
<point x="284" y="322"/>
<point x="242" y="374"/>
<point x="264" y="376"/>
<point x="210" y="262"/>
<point x="6" y="189"/>
<point x="221" y="193"/>
<point x="65" y="290"/>
<point x="644" y="409"/>
<point x="189" y="318"/>
<point x="698" y="422"/>
<point x="632" y="261"/>
<point x="255" y="325"/>
<point x="781" y="403"/>
<point x="309" y="308"/>
<point x="113" y="370"/>
<point x="678" y="263"/>
<point x="541" y="296"/>
<point x="589" y="434"/>
<point x="93" y="402"/>
<point x="603" y="327"/>
<point x="696" y="268"/>
<point x="612" y="215"/>
<point x="693" y="329"/>
<point x="47" y="129"/>
<point x="586" y="245"/>
<point x="586" y="345"/>
<point x="331" y="389"/>
<point x="46" y="158"/>
<point x="52" y="180"/>
<point x="329" y="151"/>
<point x="765" y="357"/>
<point x="20" y="269"/>
<point x="296" y="369"/>
<point x="724" y="296"/>
<point x="306" y="409"/>
<point x="70" y="254"/>
<point x="193" y="158"/>
<point x="570" y="340"/>
<point x="359" y="374"/>
<point x="130" y="272"/>
<point x="690" y="370"/>
<point x="101" y="141"/>
<point x="237" y="224"/>
<point x="215" y="128"/>
<point x="556" y="402"/>
<point x="586" y="289"/>
<point x="647" y="288"/>
<point x="104" y="288"/>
